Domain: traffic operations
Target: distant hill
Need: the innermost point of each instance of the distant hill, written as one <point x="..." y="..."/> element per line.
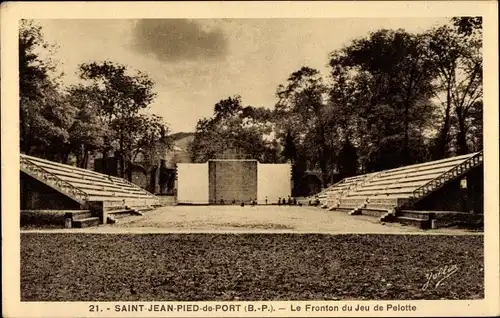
<point x="180" y="152"/>
<point x="181" y="135"/>
<point x="181" y="140"/>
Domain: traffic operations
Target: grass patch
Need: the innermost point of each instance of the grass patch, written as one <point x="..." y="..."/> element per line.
<point x="200" y="267"/>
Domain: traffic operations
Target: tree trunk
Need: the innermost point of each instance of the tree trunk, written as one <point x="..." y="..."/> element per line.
<point x="85" y="161"/>
<point x="25" y="147"/>
<point x="78" y="154"/>
<point x="443" y="139"/>
<point x="122" y="161"/>
<point x="406" y="140"/>
<point x="406" y="122"/>
<point x="323" y="160"/>
<point x="462" y="134"/>
<point x="65" y="157"/>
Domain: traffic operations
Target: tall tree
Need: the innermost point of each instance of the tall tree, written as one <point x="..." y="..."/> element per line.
<point x="457" y="56"/>
<point x="123" y="95"/>
<point x="42" y="105"/>
<point x="389" y="78"/>
<point x="151" y="139"/>
<point x="302" y="100"/>
<point x="89" y="130"/>
<point x="468" y="25"/>
<point x="348" y="160"/>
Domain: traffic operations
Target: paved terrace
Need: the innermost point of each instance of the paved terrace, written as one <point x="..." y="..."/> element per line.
<point x="257" y="219"/>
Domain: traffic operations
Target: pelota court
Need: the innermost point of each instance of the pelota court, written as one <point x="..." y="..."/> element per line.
<point x="254" y="219"/>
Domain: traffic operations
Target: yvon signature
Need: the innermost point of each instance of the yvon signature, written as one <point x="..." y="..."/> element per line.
<point x="436" y="277"/>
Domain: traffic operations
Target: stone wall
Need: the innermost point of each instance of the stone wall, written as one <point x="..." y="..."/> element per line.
<point x="139" y="177"/>
<point x="455" y="197"/>
<point x="274" y="181"/>
<point x="232" y="180"/>
<point x="192" y="183"/>
<point x="38" y="196"/>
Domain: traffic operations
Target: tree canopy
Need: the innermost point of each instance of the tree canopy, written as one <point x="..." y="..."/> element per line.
<point x="391" y="98"/>
<point x="105" y="112"/>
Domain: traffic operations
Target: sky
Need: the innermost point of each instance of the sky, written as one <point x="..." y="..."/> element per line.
<point x="196" y="63"/>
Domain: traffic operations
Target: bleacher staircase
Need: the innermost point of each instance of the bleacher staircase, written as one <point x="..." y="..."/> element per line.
<point x="390" y="194"/>
<point x="102" y="198"/>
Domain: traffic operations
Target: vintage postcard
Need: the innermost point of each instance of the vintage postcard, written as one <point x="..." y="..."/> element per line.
<point x="233" y="159"/>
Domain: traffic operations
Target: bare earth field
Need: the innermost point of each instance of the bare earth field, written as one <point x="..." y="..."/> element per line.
<point x="268" y="219"/>
<point x="195" y="267"/>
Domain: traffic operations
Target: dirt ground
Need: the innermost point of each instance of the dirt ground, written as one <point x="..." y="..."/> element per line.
<point x="215" y="267"/>
<point x="257" y="219"/>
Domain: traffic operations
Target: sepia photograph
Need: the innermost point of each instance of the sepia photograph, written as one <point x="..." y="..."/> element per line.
<point x="251" y="160"/>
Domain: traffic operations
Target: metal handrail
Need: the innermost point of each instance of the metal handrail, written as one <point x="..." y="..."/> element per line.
<point x="74" y="190"/>
<point x="445" y="177"/>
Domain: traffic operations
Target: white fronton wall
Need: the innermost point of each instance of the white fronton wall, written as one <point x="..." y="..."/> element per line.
<point x="192" y="183"/>
<point x="273" y="181"/>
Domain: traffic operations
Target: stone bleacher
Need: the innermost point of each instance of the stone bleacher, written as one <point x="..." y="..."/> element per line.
<point x="330" y="196"/>
<point x="90" y="189"/>
<point x="381" y="193"/>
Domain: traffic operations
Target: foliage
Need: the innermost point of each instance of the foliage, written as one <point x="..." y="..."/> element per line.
<point x="302" y="100"/>
<point x="234" y="131"/>
<point x="89" y="131"/>
<point x="468" y="25"/>
<point x="121" y="96"/>
<point x="151" y="140"/>
<point x="42" y="105"/>
<point x="103" y="114"/>
<point x="389" y="80"/>
<point x="392" y="98"/>
<point x="457" y="57"/>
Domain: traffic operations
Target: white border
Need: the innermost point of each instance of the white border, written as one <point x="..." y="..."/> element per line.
<point x="11" y="12"/>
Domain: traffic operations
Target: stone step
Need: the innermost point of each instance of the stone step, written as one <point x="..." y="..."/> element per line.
<point x="121" y="211"/>
<point x="128" y="202"/>
<point x="79" y="215"/>
<point x="373" y="212"/>
<point x="115" y="208"/>
<point x="142" y="207"/>
<point x="430" y="173"/>
<point x="403" y="191"/>
<point x="341" y="209"/>
<point x="422" y="166"/>
<point x="422" y="215"/>
<point x="349" y="206"/>
<point x="380" y="206"/>
<point x="87" y="222"/>
<point x="120" y="197"/>
<point x="422" y="224"/>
